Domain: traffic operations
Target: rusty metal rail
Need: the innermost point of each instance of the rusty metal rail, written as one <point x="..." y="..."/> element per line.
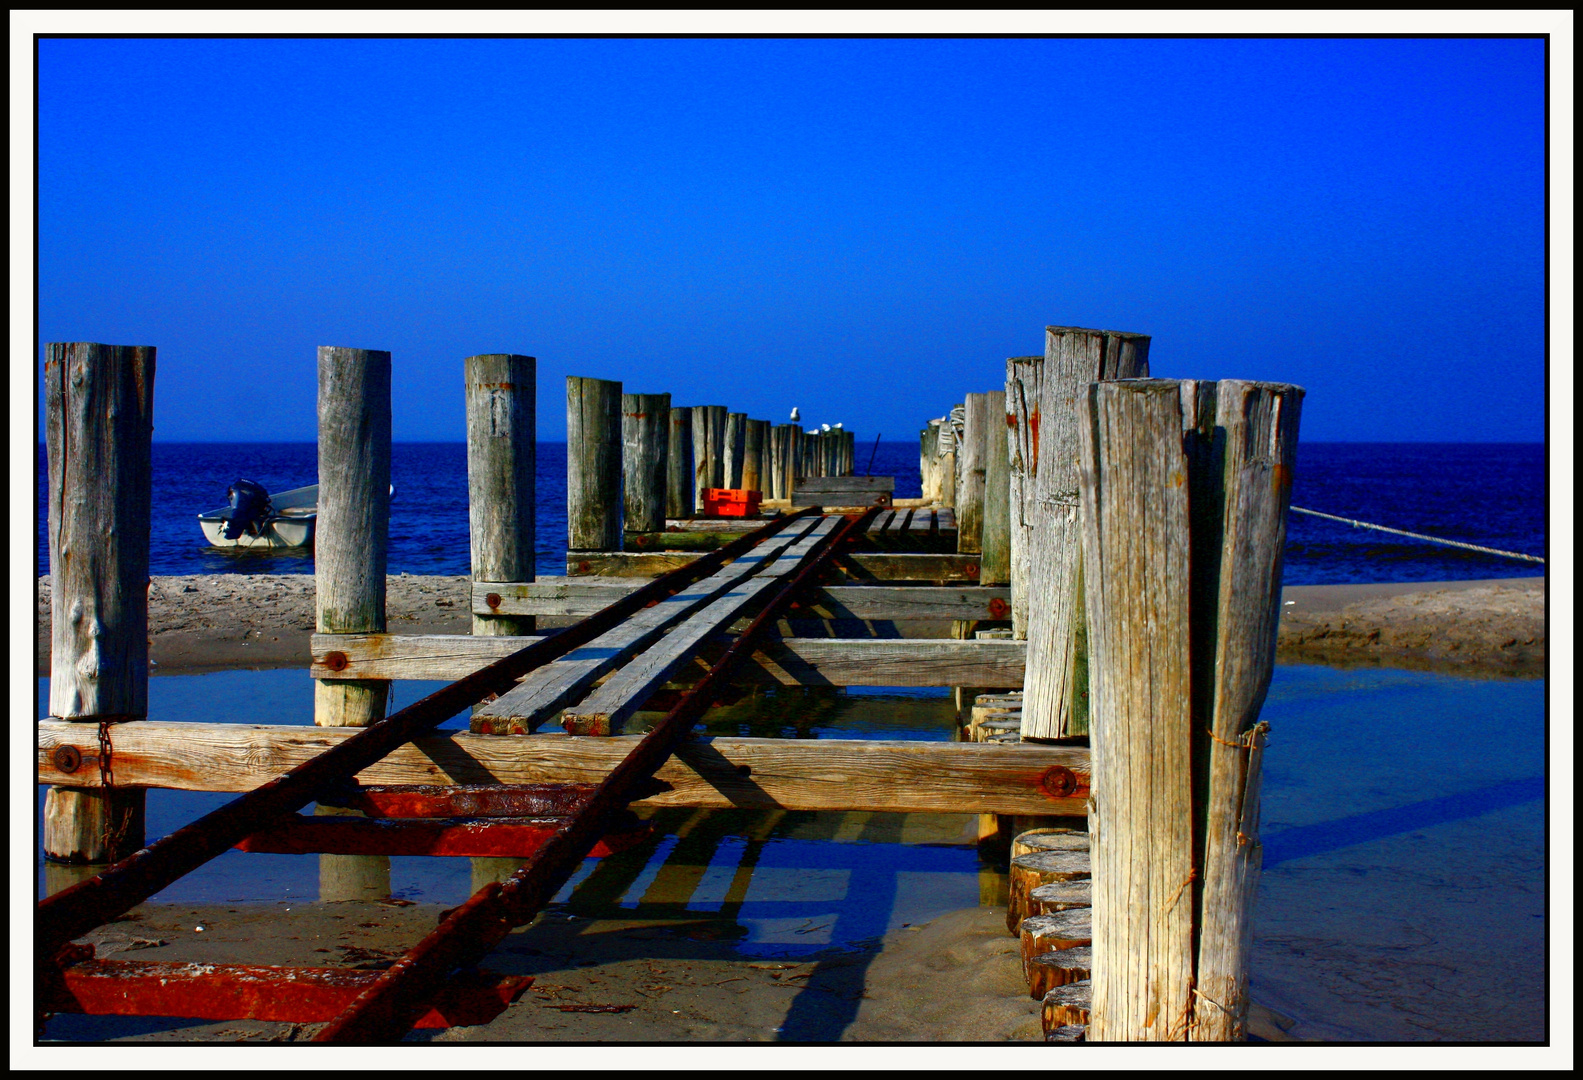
<point x="386" y="1010"/>
<point x="76" y="910"/>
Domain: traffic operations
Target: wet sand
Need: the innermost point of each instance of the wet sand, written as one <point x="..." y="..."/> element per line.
<point x="211" y="622"/>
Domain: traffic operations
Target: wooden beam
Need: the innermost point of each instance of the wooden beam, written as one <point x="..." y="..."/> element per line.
<point x="578" y="596"/>
<point x="858" y="565"/>
<point x="788" y="661"/>
<point x="791" y="774"/>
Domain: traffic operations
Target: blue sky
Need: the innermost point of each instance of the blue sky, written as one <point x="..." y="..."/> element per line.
<point x="862" y="228"/>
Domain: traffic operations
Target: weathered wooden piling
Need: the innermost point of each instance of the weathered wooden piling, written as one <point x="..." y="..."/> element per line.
<point x="680" y="501"/>
<point x="1024" y="377"/>
<point x="709" y="432"/>
<point x="645" y="440"/>
<point x="1055" y="702"/>
<point x="973" y="462"/>
<point x="1184" y="488"/>
<point x="350" y="541"/>
<point x="947" y="458"/>
<point x="735" y="446"/>
<point x="775" y="457"/>
<point x="593" y="464"/>
<point x="99" y="423"/>
<point x="755" y="436"/>
<point x="995" y="557"/>
<point x="502" y="425"/>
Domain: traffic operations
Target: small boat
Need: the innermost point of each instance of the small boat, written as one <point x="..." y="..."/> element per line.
<point x="256" y="519"/>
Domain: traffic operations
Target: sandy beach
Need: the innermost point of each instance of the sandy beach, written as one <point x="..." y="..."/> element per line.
<point x="211" y="622"/>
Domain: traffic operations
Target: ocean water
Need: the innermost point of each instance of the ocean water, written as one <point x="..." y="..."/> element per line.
<point x="1488" y="494"/>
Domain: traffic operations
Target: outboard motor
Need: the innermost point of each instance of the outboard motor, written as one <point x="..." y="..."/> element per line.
<point x="249" y="508"/>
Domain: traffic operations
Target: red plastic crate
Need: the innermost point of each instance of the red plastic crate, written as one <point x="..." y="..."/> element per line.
<point x="731" y="502"/>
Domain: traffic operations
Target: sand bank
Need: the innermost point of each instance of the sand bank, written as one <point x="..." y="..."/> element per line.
<point x="209" y="622"/>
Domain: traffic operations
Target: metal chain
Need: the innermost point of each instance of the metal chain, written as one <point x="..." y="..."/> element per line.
<point x="106" y="772"/>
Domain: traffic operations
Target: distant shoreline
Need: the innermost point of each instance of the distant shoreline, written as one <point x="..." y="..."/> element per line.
<point x="214" y="622"/>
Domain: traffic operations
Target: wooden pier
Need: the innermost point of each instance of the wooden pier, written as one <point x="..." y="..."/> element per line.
<point x="1021" y="578"/>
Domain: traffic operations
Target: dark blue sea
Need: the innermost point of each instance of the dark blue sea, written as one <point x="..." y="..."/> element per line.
<point x="1487" y="494"/>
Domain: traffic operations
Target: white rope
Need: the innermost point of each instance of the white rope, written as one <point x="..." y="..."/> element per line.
<point x="1419" y="536"/>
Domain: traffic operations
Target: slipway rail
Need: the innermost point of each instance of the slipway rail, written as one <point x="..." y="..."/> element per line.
<point x="578" y="820"/>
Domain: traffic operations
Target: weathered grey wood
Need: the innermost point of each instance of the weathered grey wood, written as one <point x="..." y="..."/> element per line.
<point x="1135" y="523"/>
<point x="735" y="446"/>
<point x="1048" y="970"/>
<point x="354" y="521"/>
<point x="995" y="542"/>
<point x="926" y="440"/>
<point x="593" y="464"/>
<point x="1024" y="376"/>
<point x="755" y="441"/>
<point x="645" y="442"/>
<point x="606" y="711"/>
<point x="502" y="425"/>
<point x="1066" y="1009"/>
<point x="948" y="461"/>
<point x="844" y="491"/>
<point x="1245" y="470"/>
<point x="349" y="561"/>
<point x="1057" y="688"/>
<point x="796" y="774"/>
<point x="853" y="566"/>
<point x="973" y="468"/>
<point x="709" y="452"/>
<point x="882" y="521"/>
<point x="779" y="440"/>
<point x="921" y="523"/>
<point x="552" y="687"/>
<point x="99" y="422"/>
<point x="680" y="501"/>
<point x="788" y="661"/>
<point x="583" y="596"/>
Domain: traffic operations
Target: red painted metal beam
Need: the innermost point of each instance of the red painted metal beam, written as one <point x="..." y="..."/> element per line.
<point x="470" y="932"/>
<point x="246" y="992"/>
<point x="298" y="834"/>
<point x="76" y="910"/>
<point x="465" y="800"/>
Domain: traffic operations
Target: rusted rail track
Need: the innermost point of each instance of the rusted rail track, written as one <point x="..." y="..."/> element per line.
<point x="386" y="1009"/>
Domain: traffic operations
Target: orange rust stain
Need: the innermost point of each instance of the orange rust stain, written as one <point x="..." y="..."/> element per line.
<point x="495" y="386"/>
<point x="1033" y="428"/>
<point x="1011" y="420"/>
<point x="1281" y="479"/>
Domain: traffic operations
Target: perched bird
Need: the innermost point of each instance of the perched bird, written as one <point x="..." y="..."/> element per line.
<point x="796" y="416"/>
<point x="824" y="427"/>
<point x="838" y="427"/>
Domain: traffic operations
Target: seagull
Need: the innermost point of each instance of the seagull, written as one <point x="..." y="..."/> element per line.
<point x="796" y="416"/>
<point x="824" y="427"/>
<point x="838" y="427"/>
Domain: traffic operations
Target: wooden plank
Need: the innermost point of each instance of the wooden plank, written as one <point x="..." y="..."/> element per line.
<point x="582" y="596"/>
<point x="607" y="709"/>
<point x="857" y="565"/>
<point x="645" y="445"/>
<point x="921" y="525"/>
<point x="501" y="455"/>
<point x="898" y="524"/>
<point x="881" y="521"/>
<point x="99" y="422"/>
<point x="793" y="774"/>
<point x="790" y="661"/>
<point x="556" y="685"/>
<point x="593" y="464"/>
<point x="945" y="519"/>
<point x="849" y="485"/>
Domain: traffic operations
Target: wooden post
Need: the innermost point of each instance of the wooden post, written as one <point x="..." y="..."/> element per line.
<point x="1024" y="376"/>
<point x="502" y="428"/>
<point x="754" y="475"/>
<point x="709" y="430"/>
<point x="994" y="564"/>
<point x="1055" y="702"/>
<point x="593" y="464"/>
<point x="927" y="461"/>
<point x="679" y="476"/>
<point x="775" y="458"/>
<point x="349" y="563"/>
<point x="974" y="457"/>
<point x="99" y="423"/>
<point x="735" y="445"/>
<point x="1184" y="490"/>
<point x="948" y="464"/>
<point x="645" y="438"/>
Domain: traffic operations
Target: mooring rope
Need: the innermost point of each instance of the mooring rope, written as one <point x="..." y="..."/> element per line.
<point x="1420" y="536"/>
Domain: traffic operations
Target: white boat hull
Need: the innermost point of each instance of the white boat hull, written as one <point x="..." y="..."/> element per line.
<point x="291" y="526"/>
